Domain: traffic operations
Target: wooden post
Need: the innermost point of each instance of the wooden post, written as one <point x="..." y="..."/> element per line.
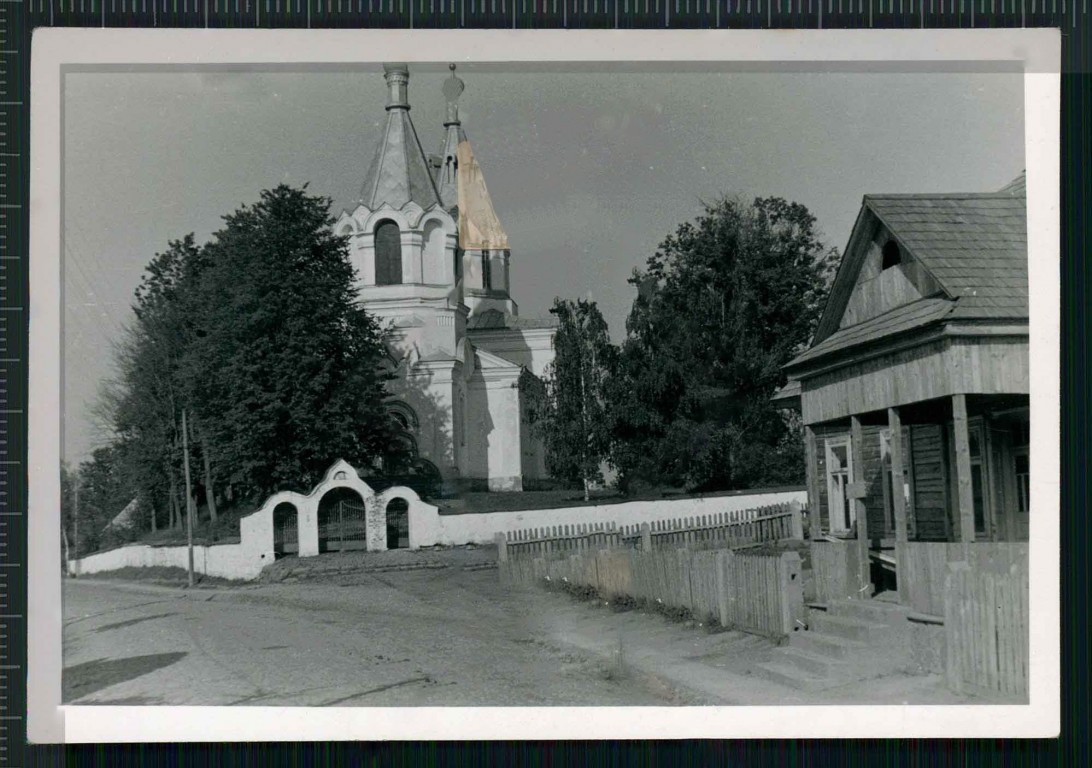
<point x="811" y="464"/>
<point x="502" y="547"/>
<point x="646" y="537"/>
<point x="898" y="497"/>
<point x="796" y="521"/>
<point x="860" y="513"/>
<point x="965" y="493"/>
<point x="189" y="496"/>
<point x="76" y="523"/>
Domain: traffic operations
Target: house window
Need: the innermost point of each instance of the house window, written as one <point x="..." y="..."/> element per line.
<point x="487" y="272"/>
<point x="891" y="254"/>
<point x="839" y="476"/>
<point x="388" y="253"/>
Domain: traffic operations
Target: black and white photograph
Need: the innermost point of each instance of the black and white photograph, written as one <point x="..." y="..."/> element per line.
<point x="462" y="381"/>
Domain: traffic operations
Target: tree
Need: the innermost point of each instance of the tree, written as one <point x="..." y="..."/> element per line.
<point x="569" y="410"/>
<point x="283" y="369"/>
<point x="724" y="303"/>
<point x="258" y="337"/>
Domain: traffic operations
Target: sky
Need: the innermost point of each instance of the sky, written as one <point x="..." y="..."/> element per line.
<point x="588" y="171"/>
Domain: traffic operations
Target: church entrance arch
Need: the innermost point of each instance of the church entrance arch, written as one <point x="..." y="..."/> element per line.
<point x="341" y="525"/>
<point x="398" y="524"/>
<point x="286" y="532"/>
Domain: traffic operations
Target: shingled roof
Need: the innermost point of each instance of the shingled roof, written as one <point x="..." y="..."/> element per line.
<point x="973" y="244"/>
<point x="976" y="246"/>
<point x="399" y="172"/>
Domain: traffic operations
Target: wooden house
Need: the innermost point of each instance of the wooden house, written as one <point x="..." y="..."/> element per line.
<point x="914" y="391"/>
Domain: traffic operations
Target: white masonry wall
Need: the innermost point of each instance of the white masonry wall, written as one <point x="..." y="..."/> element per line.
<point x="226" y="561"/>
<point x="428" y="527"/>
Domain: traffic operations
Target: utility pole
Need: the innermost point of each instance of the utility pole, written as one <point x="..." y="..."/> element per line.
<point x="189" y="494"/>
<point x="76" y="524"/>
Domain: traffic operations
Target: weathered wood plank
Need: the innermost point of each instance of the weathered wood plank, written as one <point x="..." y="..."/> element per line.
<point x="965" y="494"/>
<point x="856" y="444"/>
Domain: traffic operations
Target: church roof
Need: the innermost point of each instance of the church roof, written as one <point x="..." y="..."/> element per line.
<point x="400" y="171"/>
<point x="479" y="226"/>
<point x="495" y="320"/>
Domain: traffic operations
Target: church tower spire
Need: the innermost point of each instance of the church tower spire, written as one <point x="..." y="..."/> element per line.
<point x="448" y="181"/>
<point x="399" y="173"/>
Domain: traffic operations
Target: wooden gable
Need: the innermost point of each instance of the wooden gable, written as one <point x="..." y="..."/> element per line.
<point x="880" y="287"/>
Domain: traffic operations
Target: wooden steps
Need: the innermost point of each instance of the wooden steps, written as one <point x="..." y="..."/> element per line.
<point x="846" y="640"/>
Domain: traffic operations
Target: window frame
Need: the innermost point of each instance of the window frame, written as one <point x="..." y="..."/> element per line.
<point x="829" y="445"/>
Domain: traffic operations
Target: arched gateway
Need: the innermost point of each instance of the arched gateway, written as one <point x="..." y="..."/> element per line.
<point x="340" y="513"/>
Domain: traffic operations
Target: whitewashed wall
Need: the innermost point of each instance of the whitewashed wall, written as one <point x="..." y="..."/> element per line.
<point x="227" y="561"/>
<point x="428" y="527"/>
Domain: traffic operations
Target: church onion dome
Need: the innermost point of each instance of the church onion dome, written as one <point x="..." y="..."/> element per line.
<point x="400" y="172"/>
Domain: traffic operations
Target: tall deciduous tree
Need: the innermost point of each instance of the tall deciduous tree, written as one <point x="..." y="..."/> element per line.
<point x="724" y="303"/>
<point x="259" y="337"/>
<point x="284" y="372"/>
<point x="569" y="410"/>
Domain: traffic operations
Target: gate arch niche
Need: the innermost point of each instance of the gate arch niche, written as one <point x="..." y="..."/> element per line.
<point x="397" y="518"/>
<point x="341" y="520"/>
<point x="286" y="529"/>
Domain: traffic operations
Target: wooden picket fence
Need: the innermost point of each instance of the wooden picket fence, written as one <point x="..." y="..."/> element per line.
<point x="754" y="592"/>
<point x="534" y="542"/>
<point x="740" y="528"/>
<point x="923" y="567"/>
<point x="986" y="625"/>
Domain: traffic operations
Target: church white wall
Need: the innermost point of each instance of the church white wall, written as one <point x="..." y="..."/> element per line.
<point x="533" y="348"/>
<point x="429" y="391"/>
<point x="428" y="527"/>
<point x="494" y="429"/>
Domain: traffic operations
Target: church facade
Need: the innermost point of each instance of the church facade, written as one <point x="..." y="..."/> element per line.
<point x="432" y="262"/>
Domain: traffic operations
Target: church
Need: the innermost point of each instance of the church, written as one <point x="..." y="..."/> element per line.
<point x="432" y="263"/>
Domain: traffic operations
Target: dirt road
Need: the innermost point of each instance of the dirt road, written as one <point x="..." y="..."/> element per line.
<point x="427" y="637"/>
<point x="439" y="635"/>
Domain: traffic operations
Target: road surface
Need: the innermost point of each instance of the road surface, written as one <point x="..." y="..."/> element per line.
<point x="421" y="638"/>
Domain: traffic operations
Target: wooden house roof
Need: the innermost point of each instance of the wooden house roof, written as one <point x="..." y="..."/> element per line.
<point x="973" y="244"/>
<point x="908" y="317"/>
<point x="976" y="246"/>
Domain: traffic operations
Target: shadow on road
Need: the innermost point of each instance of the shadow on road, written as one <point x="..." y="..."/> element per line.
<point x="83" y="679"/>
<point x="131" y="622"/>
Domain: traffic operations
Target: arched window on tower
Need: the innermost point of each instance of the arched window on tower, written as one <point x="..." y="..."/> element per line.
<point x="487" y="270"/>
<point x="891" y="254"/>
<point x="388" y="253"/>
<point x="435" y="265"/>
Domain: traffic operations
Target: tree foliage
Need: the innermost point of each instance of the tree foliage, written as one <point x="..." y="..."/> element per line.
<point x="569" y="411"/>
<point x="258" y="336"/>
<point x="723" y="304"/>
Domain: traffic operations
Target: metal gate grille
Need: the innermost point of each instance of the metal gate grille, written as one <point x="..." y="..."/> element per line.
<point x="398" y="524"/>
<point x="343" y="528"/>
<point x="286" y="539"/>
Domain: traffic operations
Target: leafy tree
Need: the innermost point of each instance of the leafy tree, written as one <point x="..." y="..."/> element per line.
<point x="284" y="370"/>
<point x="258" y="337"/>
<point x="569" y="410"/>
<point x="724" y="303"/>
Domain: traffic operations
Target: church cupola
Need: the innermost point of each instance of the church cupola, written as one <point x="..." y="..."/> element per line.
<point x="482" y="239"/>
<point x="399" y="173"/>
<point x="447" y="180"/>
<point x="400" y="233"/>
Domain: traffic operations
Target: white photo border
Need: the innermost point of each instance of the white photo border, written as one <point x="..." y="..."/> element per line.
<point x="1036" y="52"/>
